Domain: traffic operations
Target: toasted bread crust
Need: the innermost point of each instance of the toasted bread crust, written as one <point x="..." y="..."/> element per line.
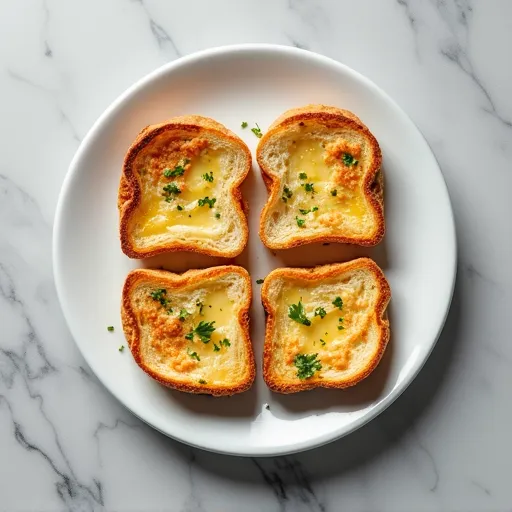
<point x="129" y="196"/>
<point x="313" y="275"/>
<point x="328" y="117"/>
<point x="132" y="330"/>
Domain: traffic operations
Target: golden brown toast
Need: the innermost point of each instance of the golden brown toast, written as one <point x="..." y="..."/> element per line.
<point x="326" y="326"/>
<point x="191" y="331"/>
<point x="179" y="190"/>
<point x="322" y="169"/>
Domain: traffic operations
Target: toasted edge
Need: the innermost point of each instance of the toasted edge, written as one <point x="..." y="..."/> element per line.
<point x="129" y="195"/>
<point x="335" y="117"/>
<point x="318" y="274"/>
<point x="191" y="277"/>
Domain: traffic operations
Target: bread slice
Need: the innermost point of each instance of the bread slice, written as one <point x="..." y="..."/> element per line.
<point x="191" y="331"/>
<point x="179" y="190"/>
<point x="322" y="169"/>
<point x="315" y="348"/>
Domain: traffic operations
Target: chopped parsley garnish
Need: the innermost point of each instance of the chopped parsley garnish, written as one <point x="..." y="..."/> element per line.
<point x="322" y="342"/>
<point x="160" y="296"/>
<point x="203" y="331"/>
<point x="200" y="305"/>
<point x="121" y="348"/>
<point x="348" y="159"/>
<point x="179" y="170"/>
<point x="300" y="222"/>
<point x="193" y="355"/>
<point x="225" y="342"/>
<point x="244" y="124"/>
<point x="340" y="327"/>
<point x="207" y="200"/>
<point x="216" y="348"/>
<point x="305" y="212"/>
<point x="202" y="381"/>
<point x="320" y="312"/>
<point x="259" y="281"/>
<point x="179" y="208"/>
<point x="287" y="194"/>
<point x="308" y="187"/>
<point x="338" y="302"/>
<point x="303" y="176"/>
<point x="217" y="215"/>
<point x="334" y="192"/>
<point x="307" y="365"/>
<point x="208" y="177"/>
<point x="170" y="191"/>
<point x="296" y="312"/>
<point x="257" y="131"/>
<point x="110" y="328"/>
<point x="183" y="314"/>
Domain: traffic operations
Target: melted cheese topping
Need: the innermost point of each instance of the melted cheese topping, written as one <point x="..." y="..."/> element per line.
<point x="182" y="213"/>
<point x="325" y="170"/>
<point x="170" y="350"/>
<point x="334" y="346"/>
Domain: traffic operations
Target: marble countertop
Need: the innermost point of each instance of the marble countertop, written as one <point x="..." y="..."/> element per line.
<point x="446" y="444"/>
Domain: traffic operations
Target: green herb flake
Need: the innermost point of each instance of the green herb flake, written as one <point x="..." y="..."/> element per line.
<point x="312" y="210"/>
<point x="216" y="348"/>
<point x="287" y="194"/>
<point x="300" y="222"/>
<point x="296" y="312"/>
<point x="309" y="187"/>
<point x="170" y="191"/>
<point x="217" y="215"/>
<point x="322" y="342"/>
<point x="193" y="355"/>
<point x="244" y="124"/>
<point x="349" y="160"/>
<point x="334" y="192"/>
<point x="338" y="302"/>
<point x="320" y="312"/>
<point x="203" y="331"/>
<point x="340" y="327"/>
<point x="121" y="348"/>
<point x="183" y="314"/>
<point x="208" y="177"/>
<point x="110" y="328"/>
<point x="179" y="170"/>
<point x="307" y="365"/>
<point x="200" y="305"/>
<point x="303" y="176"/>
<point x="207" y="200"/>
<point x="179" y="208"/>
<point x="225" y="342"/>
<point x="257" y="131"/>
<point x="259" y="281"/>
<point x="202" y="381"/>
<point x="159" y="295"/>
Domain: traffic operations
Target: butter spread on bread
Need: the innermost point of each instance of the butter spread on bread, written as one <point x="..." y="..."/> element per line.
<point x="326" y="326"/>
<point x="180" y="190"/>
<point x="191" y="331"/>
<point x="321" y="166"/>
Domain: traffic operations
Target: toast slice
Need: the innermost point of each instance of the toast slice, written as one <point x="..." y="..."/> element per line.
<point x="191" y="331"/>
<point x="179" y="190"/>
<point x="322" y="169"/>
<point x="326" y="326"/>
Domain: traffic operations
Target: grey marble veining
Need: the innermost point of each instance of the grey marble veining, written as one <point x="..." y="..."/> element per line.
<point x="66" y="444"/>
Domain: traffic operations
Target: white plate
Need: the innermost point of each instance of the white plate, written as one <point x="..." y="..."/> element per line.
<point x="255" y="83"/>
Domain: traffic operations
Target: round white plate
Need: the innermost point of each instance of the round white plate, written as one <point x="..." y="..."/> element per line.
<point x="255" y="83"/>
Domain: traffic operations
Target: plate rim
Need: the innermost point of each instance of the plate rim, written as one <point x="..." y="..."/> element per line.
<point x="382" y="405"/>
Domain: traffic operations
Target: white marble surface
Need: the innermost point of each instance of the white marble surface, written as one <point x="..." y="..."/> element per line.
<point x="446" y="444"/>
